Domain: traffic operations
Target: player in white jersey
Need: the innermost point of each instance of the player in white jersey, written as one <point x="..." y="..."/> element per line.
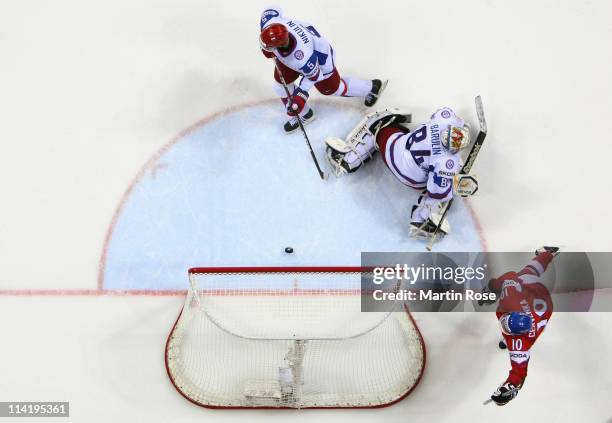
<point x="426" y="159"/>
<point x="299" y="49"/>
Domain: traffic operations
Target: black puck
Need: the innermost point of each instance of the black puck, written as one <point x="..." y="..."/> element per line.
<point x="288" y="250"/>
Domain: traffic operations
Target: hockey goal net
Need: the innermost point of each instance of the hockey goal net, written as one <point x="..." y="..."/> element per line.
<point x="290" y="338"/>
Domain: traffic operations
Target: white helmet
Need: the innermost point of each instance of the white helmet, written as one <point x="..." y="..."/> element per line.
<point x="456" y="138"/>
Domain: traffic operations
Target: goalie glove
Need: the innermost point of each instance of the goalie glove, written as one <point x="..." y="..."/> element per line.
<point x="505" y="393"/>
<point x="553" y="250"/>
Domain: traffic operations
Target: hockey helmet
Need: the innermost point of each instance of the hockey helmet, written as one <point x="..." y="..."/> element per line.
<point x="274" y="36"/>
<point x="456" y="138"/>
<point x="516" y="323"/>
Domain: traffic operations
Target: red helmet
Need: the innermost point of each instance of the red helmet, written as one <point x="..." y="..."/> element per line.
<point x="274" y="36"/>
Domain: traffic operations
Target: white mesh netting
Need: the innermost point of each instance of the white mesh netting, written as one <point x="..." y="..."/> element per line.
<point x="290" y="338"/>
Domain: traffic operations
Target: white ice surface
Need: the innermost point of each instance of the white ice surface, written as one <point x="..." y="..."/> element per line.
<point x="91" y="90"/>
<point x="236" y="190"/>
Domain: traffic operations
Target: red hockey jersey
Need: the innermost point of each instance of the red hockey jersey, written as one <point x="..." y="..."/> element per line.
<point x="523" y="292"/>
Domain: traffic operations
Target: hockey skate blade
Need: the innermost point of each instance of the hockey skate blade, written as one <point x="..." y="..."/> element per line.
<point x="381" y="91"/>
<point x="383" y="86"/>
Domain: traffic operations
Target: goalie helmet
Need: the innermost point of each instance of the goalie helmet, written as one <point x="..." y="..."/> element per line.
<point x="456" y="138"/>
<point x="274" y="36"/>
<point x="516" y="323"/>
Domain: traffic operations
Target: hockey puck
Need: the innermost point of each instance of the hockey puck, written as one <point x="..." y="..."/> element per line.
<point x="288" y="250"/>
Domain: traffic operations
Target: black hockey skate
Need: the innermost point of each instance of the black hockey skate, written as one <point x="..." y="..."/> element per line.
<point x="378" y="87"/>
<point x="292" y="124"/>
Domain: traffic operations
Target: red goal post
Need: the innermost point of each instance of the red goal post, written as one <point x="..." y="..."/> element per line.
<point x="290" y="337"/>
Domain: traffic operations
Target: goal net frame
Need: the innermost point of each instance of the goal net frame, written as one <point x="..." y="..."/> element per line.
<point x="194" y="301"/>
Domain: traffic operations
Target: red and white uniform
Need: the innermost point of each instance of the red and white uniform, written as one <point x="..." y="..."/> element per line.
<point x="523" y="292"/>
<point x="310" y="56"/>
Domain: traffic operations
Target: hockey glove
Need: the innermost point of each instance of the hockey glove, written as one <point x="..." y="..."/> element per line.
<point x="297" y="102"/>
<point x="490" y="297"/>
<point x="505" y="393"/>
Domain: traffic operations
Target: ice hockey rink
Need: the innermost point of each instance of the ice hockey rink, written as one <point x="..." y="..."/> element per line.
<point x="142" y="138"/>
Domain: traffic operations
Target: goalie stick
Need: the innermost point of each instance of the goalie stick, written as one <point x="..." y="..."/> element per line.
<point x="482" y="133"/>
<point x="312" y="154"/>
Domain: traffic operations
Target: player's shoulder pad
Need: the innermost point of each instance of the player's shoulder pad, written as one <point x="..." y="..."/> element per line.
<point x="270" y="13"/>
<point x="447" y="166"/>
<point x="511" y="283"/>
<point x="309" y="66"/>
<point x="445" y="117"/>
<point x="443" y="113"/>
<point x="303" y="35"/>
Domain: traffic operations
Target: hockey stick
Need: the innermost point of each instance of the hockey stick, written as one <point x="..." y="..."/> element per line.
<point x="482" y="133"/>
<point x="314" y="158"/>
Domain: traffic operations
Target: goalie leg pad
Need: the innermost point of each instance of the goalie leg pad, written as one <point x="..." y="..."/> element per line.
<point x="360" y="144"/>
<point x="425" y="217"/>
<point x="348" y="156"/>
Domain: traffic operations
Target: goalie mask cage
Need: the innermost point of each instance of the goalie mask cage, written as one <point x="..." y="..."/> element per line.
<point x="290" y="337"/>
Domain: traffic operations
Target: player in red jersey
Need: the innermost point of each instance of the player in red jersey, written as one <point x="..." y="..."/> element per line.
<point x="524" y="309"/>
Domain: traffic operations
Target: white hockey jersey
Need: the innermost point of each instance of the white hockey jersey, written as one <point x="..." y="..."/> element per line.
<point x="418" y="159"/>
<point x="311" y="55"/>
